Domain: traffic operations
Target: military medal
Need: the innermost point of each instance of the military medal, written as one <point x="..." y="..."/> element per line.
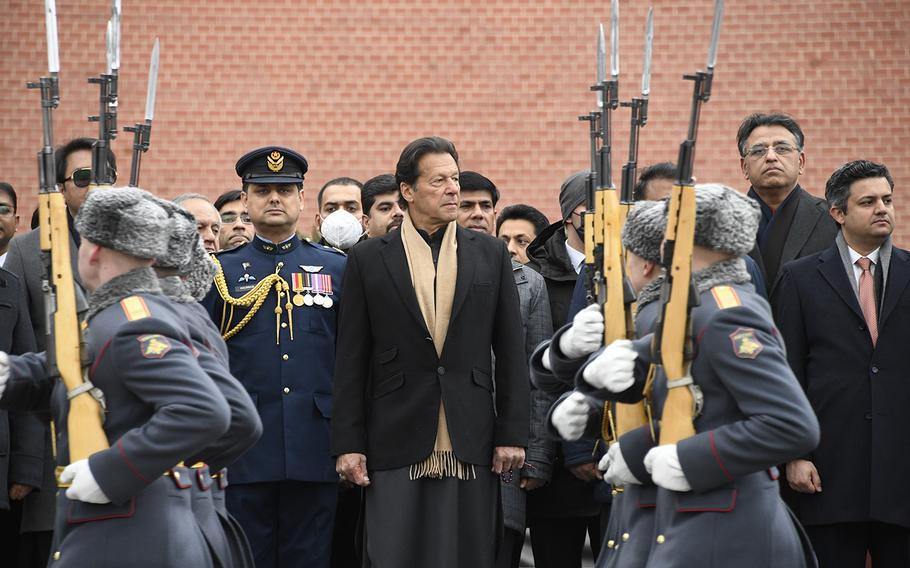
<point x="307" y="286"/>
<point x="322" y="285"/>
<point x="297" y="286"/>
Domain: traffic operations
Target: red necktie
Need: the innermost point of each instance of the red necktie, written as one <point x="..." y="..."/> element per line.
<point x="867" y="297"/>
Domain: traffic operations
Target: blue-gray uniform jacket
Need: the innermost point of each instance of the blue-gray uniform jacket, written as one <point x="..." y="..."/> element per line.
<point x="160" y="407"/>
<point x="754" y="416"/>
<point x="289" y="380"/>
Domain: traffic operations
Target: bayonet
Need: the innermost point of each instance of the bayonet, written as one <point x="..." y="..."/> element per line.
<point x="601" y="60"/>
<point x="142" y="131"/>
<point x="639" y="106"/>
<point x="614" y="39"/>
<point x="646" y="67"/>
<point x="50" y="24"/>
<point x="715" y="34"/>
<point x="153" y="83"/>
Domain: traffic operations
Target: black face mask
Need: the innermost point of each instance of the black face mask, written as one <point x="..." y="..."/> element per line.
<point x="581" y="231"/>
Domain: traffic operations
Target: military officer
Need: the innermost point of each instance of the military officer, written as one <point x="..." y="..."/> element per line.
<point x="186" y="258"/>
<point x="128" y="505"/>
<point x="275" y="301"/>
<point x="718" y="502"/>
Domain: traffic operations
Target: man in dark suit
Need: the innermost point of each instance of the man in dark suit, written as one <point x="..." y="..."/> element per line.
<point x="843" y="313"/>
<point x="793" y="223"/>
<point x="415" y="399"/>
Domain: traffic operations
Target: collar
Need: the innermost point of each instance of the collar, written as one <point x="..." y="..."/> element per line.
<point x="854" y="256"/>
<point x="766" y="210"/>
<point x="269" y="247"/>
<point x="138" y="281"/>
<point x="576" y="258"/>
<point x="731" y="271"/>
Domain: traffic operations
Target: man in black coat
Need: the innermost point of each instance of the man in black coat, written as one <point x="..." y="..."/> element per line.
<point x="417" y="417"/>
<point x="843" y="313"/>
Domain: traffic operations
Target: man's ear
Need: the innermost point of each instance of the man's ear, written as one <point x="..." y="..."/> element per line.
<point x="838" y="215"/>
<point x="407" y="192"/>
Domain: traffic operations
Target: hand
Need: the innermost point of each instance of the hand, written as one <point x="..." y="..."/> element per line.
<point x="531" y="483"/>
<point x="507" y="458"/>
<point x="586" y="472"/>
<point x="615" y="469"/>
<point x="586" y="334"/>
<point x="353" y="467"/>
<point x="18" y="492"/>
<point x="571" y="416"/>
<point x="83" y="486"/>
<point x="803" y="477"/>
<point x="614" y="368"/>
<point x="4" y="371"/>
<point x="663" y="464"/>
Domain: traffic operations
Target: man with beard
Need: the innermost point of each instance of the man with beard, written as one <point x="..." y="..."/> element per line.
<point x="382" y="205"/>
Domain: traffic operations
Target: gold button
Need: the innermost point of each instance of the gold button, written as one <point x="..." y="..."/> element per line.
<point x="287" y="390"/>
<point x="611" y="543"/>
<point x="57" y="555"/>
<point x="661" y="539"/>
<point x="285" y="357"/>
<point x="284" y="324"/>
<point x="625" y="537"/>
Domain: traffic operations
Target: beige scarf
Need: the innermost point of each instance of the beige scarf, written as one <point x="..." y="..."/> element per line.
<point x="435" y="289"/>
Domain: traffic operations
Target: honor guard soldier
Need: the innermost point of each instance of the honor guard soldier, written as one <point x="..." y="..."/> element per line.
<point x="275" y="301"/>
<point x="718" y="502"/>
<point x="128" y="504"/>
<point x="181" y="270"/>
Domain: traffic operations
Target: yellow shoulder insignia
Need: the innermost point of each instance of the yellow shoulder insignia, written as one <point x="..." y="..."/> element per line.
<point x="134" y="307"/>
<point x="725" y="297"/>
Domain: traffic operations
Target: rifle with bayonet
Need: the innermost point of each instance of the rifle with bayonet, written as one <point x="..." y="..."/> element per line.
<point x="102" y="173"/>
<point x="142" y="131"/>
<point x="65" y="348"/>
<point x="628" y="417"/>
<point x="673" y="334"/>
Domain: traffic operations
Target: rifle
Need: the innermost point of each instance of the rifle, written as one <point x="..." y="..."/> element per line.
<point x="631" y="416"/>
<point x="142" y="131"/>
<point x="102" y="174"/>
<point x="673" y="334"/>
<point x="65" y="346"/>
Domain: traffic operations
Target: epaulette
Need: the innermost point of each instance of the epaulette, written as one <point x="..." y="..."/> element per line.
<point x="319" y="246"/>
<point x="725" y="297"/>
<point x="134" y="308"/>
<point x="226" y="251"/>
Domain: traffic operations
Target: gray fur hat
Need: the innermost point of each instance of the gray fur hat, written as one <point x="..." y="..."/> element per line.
<point x="182" y="238"/>
<point x="572" y="193"/>
<point x="125" y="220"/>
<point x="198" y="273"/>
<point x="725" y="219"/>
<point x="644" y="230"/>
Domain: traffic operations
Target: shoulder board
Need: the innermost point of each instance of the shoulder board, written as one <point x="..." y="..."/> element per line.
<point x="134" y="308"/>
<point x="318" y="246"/>
<point x="228" y="251"/>
<point x="725" y="297"/>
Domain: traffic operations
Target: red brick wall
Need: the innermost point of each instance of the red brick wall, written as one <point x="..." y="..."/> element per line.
<point x="349" y="83"/>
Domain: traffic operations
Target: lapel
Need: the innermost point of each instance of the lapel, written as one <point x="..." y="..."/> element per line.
<point x="833" y="271"/>
<point x="898" y="277"/>
<point x="396" y="263"/>
<point x="804" y="220"/>
<point x="467" y="257"/>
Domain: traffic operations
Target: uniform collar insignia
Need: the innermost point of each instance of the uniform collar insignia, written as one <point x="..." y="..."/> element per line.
<point x="271" y="248"/>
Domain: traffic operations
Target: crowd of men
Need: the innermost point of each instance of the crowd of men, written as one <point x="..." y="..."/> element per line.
<point x="421" y="383"/>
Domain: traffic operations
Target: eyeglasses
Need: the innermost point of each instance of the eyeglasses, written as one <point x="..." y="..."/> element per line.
<point x="6" y="210"/>
<point x="80" y="177"/>
<point x="760" y="150"/>
<point x="231" y="218"/>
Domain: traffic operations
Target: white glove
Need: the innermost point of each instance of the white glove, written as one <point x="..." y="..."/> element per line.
<point x="545" y="359"/>
<point x="83" y="486"/>
<point x="614" y="368"/>
<point x="615" y="469"/>
<point x="4" y="371"/>
<point x="586" y="334"/>
<point x="571" y="416"/>
<point x="663" y="464"/>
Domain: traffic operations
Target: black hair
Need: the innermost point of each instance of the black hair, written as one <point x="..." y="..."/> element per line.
<point x="8" y="189"/>
<point x="837" y="189"/>
<point x="228" y="196"/>
<point x="526" y="213"/>
<point x="337" y="181"/>
<point x="62" y="154"/>
<point x="473" y="181"/>
<point x="662" y="170"/>
<point x="375" y="186"/>
<point x="407" y="171"/>
<point x="757" y="119"/>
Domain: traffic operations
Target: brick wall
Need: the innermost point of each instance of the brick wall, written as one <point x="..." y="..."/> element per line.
<point x="349" y="83"/>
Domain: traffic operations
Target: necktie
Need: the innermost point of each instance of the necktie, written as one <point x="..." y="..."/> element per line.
<point x="867" y="297"/>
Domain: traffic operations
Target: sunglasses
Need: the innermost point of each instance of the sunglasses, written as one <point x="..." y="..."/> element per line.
<point x="82" y="177"/>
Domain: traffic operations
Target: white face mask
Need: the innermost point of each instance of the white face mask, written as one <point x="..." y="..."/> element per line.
<point x="341" y="229"/>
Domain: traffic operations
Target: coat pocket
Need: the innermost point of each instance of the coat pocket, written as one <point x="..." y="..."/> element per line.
<point x="387" y="385"/>
<point x="81" y="512"/>
<point x="387" y="355"/>
<point x="721" y="500"/>
<point x="323" y="404"/>
<point x="482" y="379"/>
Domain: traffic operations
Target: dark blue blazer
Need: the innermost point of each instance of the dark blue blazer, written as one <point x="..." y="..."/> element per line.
<point x="860" y="392"/>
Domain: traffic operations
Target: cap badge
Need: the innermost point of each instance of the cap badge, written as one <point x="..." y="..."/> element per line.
<point x="275" y="161"/>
